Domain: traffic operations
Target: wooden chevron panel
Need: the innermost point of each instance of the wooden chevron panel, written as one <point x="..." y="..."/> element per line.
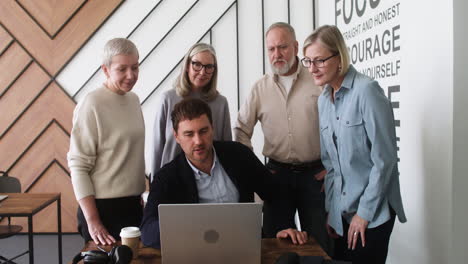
<point x="51" y="145"/>
<point x="54" y="53"/>
<point x="51" y="14"/>
<point x="54" y="179"/>
<point x="53" y="103"/>
<point x="12" y="63"/>
<point x="5" y="40"/>
<point x="21" y="94"/>
<point x="37" y="38"/>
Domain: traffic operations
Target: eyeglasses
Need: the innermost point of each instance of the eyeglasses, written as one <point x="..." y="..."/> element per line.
<point x="197" y="66"/>
<point x="306" y="62"/>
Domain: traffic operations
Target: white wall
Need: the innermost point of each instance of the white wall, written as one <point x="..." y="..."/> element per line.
<point x="426" y="138"/>
<point x="426" y="131"/>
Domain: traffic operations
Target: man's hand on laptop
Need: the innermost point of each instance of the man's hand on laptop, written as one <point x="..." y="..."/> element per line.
<point x="296" y="236"/>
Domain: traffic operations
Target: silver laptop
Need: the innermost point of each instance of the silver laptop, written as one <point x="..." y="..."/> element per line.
<point x="210" y="233"/>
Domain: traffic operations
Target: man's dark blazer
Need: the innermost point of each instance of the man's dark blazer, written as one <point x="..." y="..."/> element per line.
<point x="175" y="184"/>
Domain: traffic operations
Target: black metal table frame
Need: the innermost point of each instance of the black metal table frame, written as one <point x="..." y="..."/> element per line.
<point x="30" y="227"/>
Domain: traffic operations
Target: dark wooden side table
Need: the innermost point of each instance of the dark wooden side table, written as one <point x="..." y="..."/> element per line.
<point x="27" y="205"/>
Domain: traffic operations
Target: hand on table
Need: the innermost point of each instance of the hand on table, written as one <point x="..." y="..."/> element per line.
<point x="297" y="237"/>
<point x="357" y="228"/>
<point x="99" y="234"/>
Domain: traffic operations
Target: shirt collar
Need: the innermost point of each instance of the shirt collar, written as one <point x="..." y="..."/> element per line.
<point x="294" y="75"/>
<point x="349" y="77"/>
<point x="347" y="81"/>
<point x="200" y="174"/>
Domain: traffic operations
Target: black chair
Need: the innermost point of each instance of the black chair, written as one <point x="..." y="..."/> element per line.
<point x="9" y="185"/>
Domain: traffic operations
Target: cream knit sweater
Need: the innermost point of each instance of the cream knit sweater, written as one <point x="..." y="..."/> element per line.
<point x="106" y="156"/>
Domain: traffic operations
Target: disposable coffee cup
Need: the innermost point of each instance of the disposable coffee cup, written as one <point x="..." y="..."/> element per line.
<point x="131" y="238"/>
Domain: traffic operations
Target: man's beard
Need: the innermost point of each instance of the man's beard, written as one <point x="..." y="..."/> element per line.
<point x="283" y="69"/>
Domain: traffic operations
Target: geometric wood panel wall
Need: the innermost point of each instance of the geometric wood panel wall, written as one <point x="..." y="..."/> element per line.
<point x="37" y="40"/>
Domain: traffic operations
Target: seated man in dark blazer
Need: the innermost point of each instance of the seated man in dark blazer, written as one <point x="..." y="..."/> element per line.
<point x="207" y="172"/>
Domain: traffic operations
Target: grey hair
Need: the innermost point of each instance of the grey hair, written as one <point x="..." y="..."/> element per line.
<point x="330" y="37"/>
<point x="284" y="25"/>
<point x="118" y="46"/>
<point x="182" y="83"/>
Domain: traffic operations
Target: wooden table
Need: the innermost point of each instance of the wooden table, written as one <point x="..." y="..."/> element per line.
<point x="27" y="205"/>
<point x="272" y="248"/>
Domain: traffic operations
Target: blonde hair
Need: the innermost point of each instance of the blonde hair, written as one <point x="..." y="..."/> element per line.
<point x="118" y="46"/>
<point x="330" y="37"/>
<point x="182" y="83"/>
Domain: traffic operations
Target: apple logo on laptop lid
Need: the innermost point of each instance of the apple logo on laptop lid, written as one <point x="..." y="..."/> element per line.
<point x="211" y="236"/>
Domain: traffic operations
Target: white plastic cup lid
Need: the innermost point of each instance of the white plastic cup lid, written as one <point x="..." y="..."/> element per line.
<point x="131" y="231"/>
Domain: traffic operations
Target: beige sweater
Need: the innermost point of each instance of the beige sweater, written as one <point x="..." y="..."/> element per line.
<point x="290" y="122"/>
<point x="106" y="156"/>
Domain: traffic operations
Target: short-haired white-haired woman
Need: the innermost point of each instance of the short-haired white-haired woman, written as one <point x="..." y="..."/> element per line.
<point x="197" y="79"/>
<point x="358" y="149"/>
<point x="106" y="156"/>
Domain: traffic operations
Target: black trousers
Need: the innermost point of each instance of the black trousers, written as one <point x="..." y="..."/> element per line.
<point x="115" y="213"/>
<point x="302" y="194"/>
<point x="376" y="248"/>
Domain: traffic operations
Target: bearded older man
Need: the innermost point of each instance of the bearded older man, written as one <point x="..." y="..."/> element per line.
<point x="285" y="103"/>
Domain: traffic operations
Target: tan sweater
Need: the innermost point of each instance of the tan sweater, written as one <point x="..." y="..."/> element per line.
<point x="106" y="156"/>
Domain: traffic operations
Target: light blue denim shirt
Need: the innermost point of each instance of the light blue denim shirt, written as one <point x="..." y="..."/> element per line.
<point x="359" y="152"/>
<point x="215" y="187"/>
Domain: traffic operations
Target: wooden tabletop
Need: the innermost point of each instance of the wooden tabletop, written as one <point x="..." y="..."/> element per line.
<point x="272" y="248"/>
<point x="25" y="204"/>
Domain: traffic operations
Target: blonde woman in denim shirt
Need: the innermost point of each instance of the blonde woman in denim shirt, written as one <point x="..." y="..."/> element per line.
<point x="358" y="149"/>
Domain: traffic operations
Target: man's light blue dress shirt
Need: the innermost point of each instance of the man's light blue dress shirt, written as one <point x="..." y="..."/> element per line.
<point x="215" y="187"/>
